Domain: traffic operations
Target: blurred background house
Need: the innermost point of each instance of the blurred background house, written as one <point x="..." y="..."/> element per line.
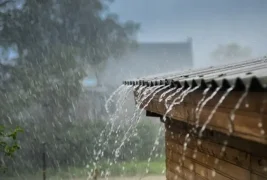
<point x="150" y="58"/>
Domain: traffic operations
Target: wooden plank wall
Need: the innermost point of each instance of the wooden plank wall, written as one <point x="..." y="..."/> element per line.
<point x="245" y="155"/>
<point x="250" y="122"/>
<point x="239" y="161"/>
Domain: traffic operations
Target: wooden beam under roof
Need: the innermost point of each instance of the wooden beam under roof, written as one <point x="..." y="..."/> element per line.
<point x="249" y="123"/>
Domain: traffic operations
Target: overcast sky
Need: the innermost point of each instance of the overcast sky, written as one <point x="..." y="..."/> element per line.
<point x="208" y="22"/>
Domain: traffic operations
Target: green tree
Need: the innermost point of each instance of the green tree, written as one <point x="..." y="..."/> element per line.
<point x="8" y="144"/>
<point x="231" y="52"/>
<point x="4" y="3"/>
<point x="55" y="42"/>
<point x="8" y="138"/>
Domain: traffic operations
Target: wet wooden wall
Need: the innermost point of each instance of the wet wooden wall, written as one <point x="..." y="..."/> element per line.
<point x="244" y="155"/>
<point x="250" y="119"/>
<point x="208" y="157"/>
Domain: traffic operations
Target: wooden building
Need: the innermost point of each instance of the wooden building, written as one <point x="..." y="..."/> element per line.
<point x="218" y="127"/>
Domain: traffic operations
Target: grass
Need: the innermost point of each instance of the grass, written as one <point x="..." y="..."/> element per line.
<point x="133" y="168"/>
<point x="138" y="168"/>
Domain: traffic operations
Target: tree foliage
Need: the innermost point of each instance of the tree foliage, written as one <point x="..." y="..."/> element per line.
<point x="54" y="42"/>
<point x="231" y="52"/>
<point x="8" y="143"/>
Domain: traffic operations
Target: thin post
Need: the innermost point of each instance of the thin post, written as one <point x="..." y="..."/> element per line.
<point x="95" y="174"/>
<point x="44" y="161"/>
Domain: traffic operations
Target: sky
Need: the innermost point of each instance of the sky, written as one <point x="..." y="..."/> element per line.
<point x="208" y="22"/>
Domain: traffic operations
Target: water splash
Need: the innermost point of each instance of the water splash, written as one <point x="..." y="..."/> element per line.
<point x="204" y="103"/>
<point x="153" y="92"/>
<point x="186" y="141"/>
<point x="205" y="92"/>
<point x="185" y="94"/>
<point x="120" y="104"/>
<point x="147" y="92"/>
<point x="181" y="97"/>
<point x="160" y="88"/>
<point x="231" y="123"/>
<point x="214" y="110"/>
<point x="100" y="145"/>
<point x="142" y="90"/>
<point x="165" y="93"/>
<point x="122" y="98"/>
<point x="171" y="96"/>
<point x="156" y="143"/>
<point x="187" y="138"/>
<point x="237" y="106"/>
<point x="121" y="87"/>
<point x="198" y="111"/>
<point x="262" y="109"/>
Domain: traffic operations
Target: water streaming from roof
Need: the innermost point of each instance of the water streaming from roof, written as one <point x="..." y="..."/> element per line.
<point x="172" y="95"/>
<point x="101" y="144"/>
<point x="148" y="92"/>
<point x="156" y="143"/>
<point x="110" y="129"/>
<point x="184" y="95"/>
<point x="180" y="98"/>
<point x="165" y="93"/>
<point x="204" y="103"/>
<point x="237" y="106"/>
<point x="196" y="111"/>
<point x="117" y="91"/>
<point x="231" y="123"/>
<point x="145" y="94"/>
<point x="138" y="99"/>
<point x="205" y="92"/>
<point x="214" y="110"/>
<point x="169" y="98"/>
<point x="136" y="117"/>
<point x="201" y="104"/>
<point x="262" y="109"/>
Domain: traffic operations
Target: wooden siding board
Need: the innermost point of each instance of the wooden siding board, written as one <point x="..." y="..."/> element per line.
<point x="257" y="177"/>
<point x="235" y="164"/>
<point x="259" y="165"/>
<point x="246" y="122"/>
<point x="222" y="167"/>
<point x="231" y="155"/>
<point x="245" y="156"/>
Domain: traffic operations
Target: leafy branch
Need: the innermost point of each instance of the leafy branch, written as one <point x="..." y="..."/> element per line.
<point x="8" y="143"/>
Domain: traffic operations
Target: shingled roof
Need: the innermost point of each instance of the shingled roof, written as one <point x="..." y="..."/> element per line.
<point x="251" y="74"/>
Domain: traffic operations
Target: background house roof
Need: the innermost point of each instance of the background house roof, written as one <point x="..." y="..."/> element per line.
<point x="150" y="58"/>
